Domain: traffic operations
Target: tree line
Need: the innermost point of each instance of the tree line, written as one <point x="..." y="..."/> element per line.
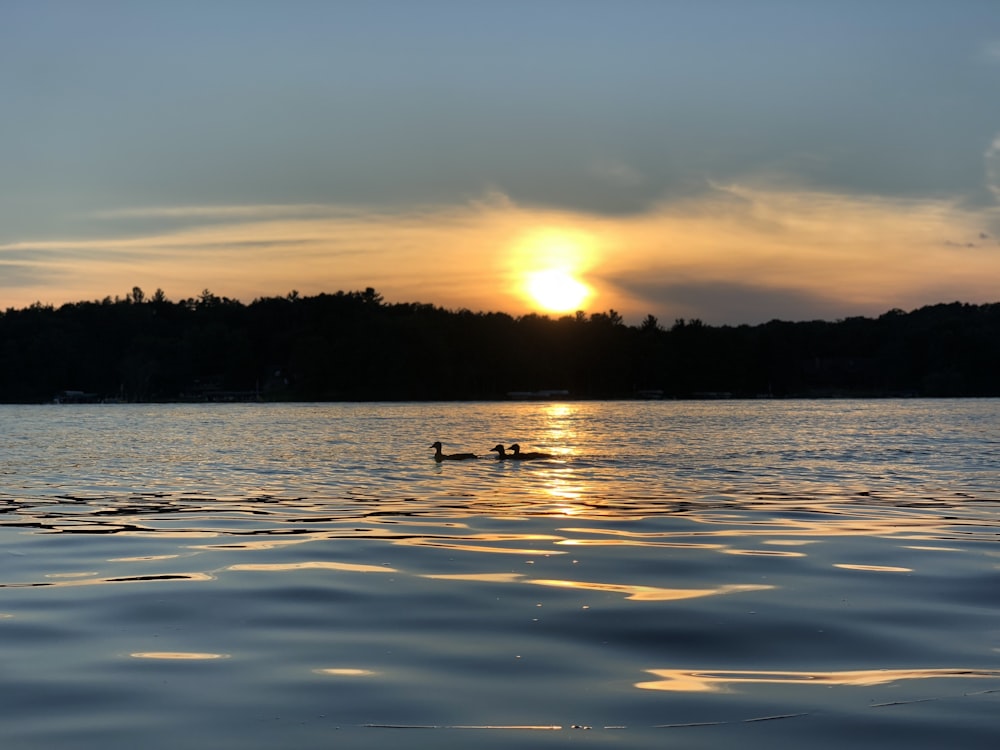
<point x="353" y="346"/>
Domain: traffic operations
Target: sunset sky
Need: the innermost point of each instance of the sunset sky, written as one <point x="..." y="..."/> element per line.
<point x="729" y="160"/>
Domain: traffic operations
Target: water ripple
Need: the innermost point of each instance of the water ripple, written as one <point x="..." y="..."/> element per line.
<point x="268" y="575"/>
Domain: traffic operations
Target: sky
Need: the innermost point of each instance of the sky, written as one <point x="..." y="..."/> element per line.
<point x="734" y="161"/>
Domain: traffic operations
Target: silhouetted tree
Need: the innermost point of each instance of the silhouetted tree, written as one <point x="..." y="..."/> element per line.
<point x="354" y="345"/>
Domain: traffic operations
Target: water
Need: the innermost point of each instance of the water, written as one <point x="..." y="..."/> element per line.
<point x="696" y="575"/>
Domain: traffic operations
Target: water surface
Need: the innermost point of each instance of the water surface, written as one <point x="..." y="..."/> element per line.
<point x="703" y="574"/>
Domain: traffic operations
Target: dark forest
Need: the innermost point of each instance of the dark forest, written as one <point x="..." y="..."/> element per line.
<point x="353" y="346"/>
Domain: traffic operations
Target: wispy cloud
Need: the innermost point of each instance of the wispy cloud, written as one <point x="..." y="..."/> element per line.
<point x="992" y="159"/>
<point x="736" y="253"/>
<point x="217" y="212"/>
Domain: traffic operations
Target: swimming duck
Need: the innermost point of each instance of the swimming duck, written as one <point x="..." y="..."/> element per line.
<point x="518" y="456"/>
<point x="501" y="452"/>
<point x="439" y="456"/>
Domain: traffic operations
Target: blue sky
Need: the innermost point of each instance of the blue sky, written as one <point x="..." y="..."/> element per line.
<point x="731" y="161"/>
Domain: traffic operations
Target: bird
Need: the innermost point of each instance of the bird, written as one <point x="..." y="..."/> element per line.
<point x="439" y="456"/>
<point x="501" y="452"/>
<point x="518" y="456"/>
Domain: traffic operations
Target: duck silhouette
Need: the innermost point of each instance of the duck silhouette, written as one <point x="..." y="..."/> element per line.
<point x="439" y="456"/>
<point x="501" y="452"/>
<point x="515" y="453"/>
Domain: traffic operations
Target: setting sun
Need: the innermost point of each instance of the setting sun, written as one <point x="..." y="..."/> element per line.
<point x="549" y="265"/>
<point x="556" y="290"/>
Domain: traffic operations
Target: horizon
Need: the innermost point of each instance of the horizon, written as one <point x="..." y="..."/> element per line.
<point x="728" y="162"/>
<point x="294" y="294"/>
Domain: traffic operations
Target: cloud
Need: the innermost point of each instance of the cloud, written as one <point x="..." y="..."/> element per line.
<point x="736" y="253"/>
<point x="251" y="251"/>
<point x="777" y="250"/>
<point x="733" y="302"/>
<point x="27" y="275"/>
<point x="217" y="212"/>
<point x="992" y="163"/>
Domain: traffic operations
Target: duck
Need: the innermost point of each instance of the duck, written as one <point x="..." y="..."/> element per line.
<point x="516" y="454"/>
<point x="501" y="452"/>
<point x="439" y="456"/>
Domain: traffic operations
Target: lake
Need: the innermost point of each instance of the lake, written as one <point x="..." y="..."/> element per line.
<point x="680" y="574"/>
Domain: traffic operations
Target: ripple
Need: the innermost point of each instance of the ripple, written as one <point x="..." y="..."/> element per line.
<point x="178" y="655"/>
<point x="697" y="681"/>
<point x="751" y="552"/>
<point x="875" y="568"/>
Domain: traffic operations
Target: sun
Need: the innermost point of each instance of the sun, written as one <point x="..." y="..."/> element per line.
<point x="556" y="290"/>
<point x="549" y="263"/>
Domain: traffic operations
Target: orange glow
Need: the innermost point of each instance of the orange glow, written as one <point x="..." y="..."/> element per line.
<point x="686" y="681"/>
<point x="637" y="593"/>
<point x="548" y="263"/>
<point x="557" y="291"/>
<point x="516" y="727"/>
<point x="869" y="253"/>
<point x="876" y="568"/>
<point x="316" y="565"/>
<point x="345" y="672"/>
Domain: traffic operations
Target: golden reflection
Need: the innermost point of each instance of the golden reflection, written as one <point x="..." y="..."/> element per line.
<point x="263" y="542"/>
<point x="931" y="549"/>
<point x="462" y="546"/>
<point x="876" y="568"/>
<point x="178" y="655"/>
<point x="651" y="593"/>
<point x="566" y="493"/>
<point x="314" y="565"/>
<point x="346" y="672"/>
<point x="520" y="727"/>
<point x="637" y="543"/>
<point x="555" y="411"/>
<point x="616" y="532"/>
<point x="558" y="418"/>
<point x="686" y="681"/>
<point x="634" y="592"/>
<point x="171" y="534"/>
<point x="764" y="553"/>
<point x="826" y="525"/>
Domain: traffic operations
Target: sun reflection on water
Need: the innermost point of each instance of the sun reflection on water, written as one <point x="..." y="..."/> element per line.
<point x="630" y="591"/>
<point x="346" y="672"/>
<point x="343" y="570"/>
<point x="178" y="655"/>
<point x="314" y="565"/>
<point x="708" y="681"/>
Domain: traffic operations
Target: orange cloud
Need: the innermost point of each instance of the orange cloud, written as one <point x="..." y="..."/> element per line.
<point x="869" y="253"/>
